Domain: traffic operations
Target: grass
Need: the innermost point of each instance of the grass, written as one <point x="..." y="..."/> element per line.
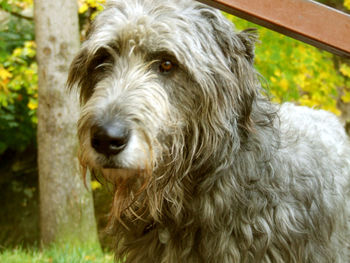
<point x="57" y="254"/>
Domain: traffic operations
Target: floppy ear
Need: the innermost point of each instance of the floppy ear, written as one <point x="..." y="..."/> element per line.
<point x="236" y="43"/>
<point x="86" y="70"/>
<point x="77" y="75"/>
<point x="249" y="37"/>
<point x="238" y="51"/>
<point x="231" y="42"/>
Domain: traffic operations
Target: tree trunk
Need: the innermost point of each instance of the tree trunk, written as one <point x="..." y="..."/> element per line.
<point x="66" y="206"/>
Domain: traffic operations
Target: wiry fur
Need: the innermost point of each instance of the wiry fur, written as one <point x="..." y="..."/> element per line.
<point x="213" y="172"/>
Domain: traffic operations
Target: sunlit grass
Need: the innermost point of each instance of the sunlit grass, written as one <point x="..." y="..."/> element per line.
<point x="57" y="254"/>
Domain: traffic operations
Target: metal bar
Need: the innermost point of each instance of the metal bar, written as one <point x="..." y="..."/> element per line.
<point x="305" y="20"/>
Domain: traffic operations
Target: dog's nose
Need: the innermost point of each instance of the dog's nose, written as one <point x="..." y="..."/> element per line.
<point x="110" y="139"/>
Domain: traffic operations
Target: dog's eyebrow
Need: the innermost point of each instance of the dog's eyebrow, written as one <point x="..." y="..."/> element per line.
<point x="162" y="54"/>
<point x="113" y="48"/>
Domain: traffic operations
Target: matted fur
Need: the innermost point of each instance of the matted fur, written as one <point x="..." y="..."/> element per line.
<point x="213" y="172"/>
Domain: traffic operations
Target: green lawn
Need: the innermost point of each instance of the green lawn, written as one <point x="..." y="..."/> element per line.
<point x="57" y="254"/>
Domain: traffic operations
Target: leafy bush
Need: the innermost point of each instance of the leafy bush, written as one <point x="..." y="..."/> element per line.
<point x="299" y="72"/>
<point x="18" y="79"/>
<point x="18" y="71"/>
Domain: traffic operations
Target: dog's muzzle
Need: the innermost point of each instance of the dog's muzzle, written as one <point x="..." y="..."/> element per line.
<point x="110" y="139"/>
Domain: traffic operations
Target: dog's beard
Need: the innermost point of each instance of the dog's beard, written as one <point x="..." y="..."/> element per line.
<point x="117" y="175"/>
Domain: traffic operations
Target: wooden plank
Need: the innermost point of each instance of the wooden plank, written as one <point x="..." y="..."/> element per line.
<point x="305" y="20"/>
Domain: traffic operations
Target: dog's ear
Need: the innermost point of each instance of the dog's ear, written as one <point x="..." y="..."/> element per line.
<point x="78" y="72"/>
<point x="231" y="42"/>
<point x="85" y="70"/>
<point x="249" y="37"/>
<point x="237" y="50"/>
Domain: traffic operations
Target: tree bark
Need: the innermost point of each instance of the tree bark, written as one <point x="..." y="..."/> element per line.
<point x="66" y="206"/>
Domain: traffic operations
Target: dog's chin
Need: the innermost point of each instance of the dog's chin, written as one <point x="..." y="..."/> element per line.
<point x="116" y="174"/>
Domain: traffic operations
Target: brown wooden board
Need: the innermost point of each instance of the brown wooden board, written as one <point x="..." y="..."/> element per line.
<point x="305" y="20"/>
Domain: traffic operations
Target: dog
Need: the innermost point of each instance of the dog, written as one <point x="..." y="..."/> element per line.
<point x="205" y="167"/>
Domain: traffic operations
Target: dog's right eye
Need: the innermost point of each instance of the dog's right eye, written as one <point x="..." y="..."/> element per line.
<point x="166" y="66"/>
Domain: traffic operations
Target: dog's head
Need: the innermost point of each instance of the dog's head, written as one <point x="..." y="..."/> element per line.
<point x="161" y="82"/>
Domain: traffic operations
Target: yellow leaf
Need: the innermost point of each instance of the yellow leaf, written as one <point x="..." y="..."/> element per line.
<point x="332" y="108"/>
<point x="278" y="72"/>
<point x="30" y="44"/>
<point x="91" y="3"/>
<point x="32" y="104"/>
<point x="17" y="52"/>
<point x="95" y="185"/>
<point x="306" y="101"/>
<point x="284" y="84"/>
<point x="4" y="74"/>
<point x="93" y="16"/>
<point x="345" y="69"/>
<point x="94" y="3"/>
<point x="346" y="97"/>
<point x="83" y="8"/>
<point x="347" y="4"/>
<point x="100" y="1"/>
<point x="273" y="79"/>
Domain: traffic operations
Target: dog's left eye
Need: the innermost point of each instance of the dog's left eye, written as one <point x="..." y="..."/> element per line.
<point x="166" y="66"/>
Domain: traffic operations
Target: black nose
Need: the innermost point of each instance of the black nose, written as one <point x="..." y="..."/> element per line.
<point x="110" y="139"/>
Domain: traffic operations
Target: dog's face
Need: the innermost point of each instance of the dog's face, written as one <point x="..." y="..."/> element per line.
<point x="156" y="79"/>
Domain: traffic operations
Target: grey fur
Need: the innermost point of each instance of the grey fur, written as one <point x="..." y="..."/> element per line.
<point x="213" y="171"/>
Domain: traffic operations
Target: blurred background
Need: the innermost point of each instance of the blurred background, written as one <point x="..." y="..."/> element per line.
<point x="291" y="70"/>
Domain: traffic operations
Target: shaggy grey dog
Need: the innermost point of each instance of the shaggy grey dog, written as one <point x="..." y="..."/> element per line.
<point x="205" y="168"/>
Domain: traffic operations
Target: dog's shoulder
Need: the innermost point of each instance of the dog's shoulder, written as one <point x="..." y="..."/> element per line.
<point x="314" y="133"/>
<point x="314" y="140"/>
<point x="307" y="121"/>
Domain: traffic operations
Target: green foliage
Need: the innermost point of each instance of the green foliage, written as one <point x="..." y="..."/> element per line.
<point x="298" y="72"/>
<point x="18" y="78"/>
<point x="333" y="3"/>
<point x="13" y="30"/>
<point x="57" y="254"/>
<point x="90" y="7"/>
<point x="18" y="71"/>
<point x="347" y="4"/>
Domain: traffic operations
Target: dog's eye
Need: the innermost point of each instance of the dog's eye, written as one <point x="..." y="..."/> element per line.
<point x="166" y="66"/>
